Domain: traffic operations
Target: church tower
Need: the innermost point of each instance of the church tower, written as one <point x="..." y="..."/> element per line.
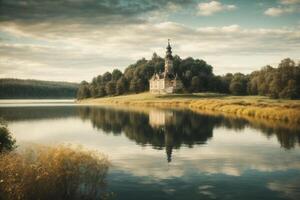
<point x="168" y="59"/>
<point x="166" y="82"/>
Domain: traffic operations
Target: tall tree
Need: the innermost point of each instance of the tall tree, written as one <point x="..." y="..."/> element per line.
<point x="84" y="90"/>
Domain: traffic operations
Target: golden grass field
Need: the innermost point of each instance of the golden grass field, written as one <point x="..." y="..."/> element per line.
<point x="257" y="107"/>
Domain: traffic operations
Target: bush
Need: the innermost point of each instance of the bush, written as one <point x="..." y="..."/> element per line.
<point x="7" y="142"/>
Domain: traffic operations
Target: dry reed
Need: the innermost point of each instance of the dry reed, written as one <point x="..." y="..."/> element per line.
<point x="52" y="173"/>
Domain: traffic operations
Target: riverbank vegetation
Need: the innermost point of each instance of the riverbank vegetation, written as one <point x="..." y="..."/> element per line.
<point x="26" y="89"/>
<point x="197" y="76"/>
<point x="7" y="142"/>
<point x="52" y="173"/>
<point x="56" y="172"/>
<point x="258" y="107"/>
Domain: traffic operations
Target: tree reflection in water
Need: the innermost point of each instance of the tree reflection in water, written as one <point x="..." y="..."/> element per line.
<point x="170" y="129"/>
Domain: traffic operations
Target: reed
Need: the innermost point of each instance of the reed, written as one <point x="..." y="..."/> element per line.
<point x="248" y="106"/>
<point x="61" y="172"/>
<point x="276" y="111"/>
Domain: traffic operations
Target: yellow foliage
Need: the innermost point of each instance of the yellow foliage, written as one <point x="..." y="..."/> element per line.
<point x="276" y="111"/>
<point x="245" y="106"/>
<point x="52" y="173"/>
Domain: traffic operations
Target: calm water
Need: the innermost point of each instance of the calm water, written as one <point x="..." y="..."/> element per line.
<point x="170" y="154"/>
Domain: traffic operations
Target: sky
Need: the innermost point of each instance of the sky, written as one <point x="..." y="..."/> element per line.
<point x="75" y="40"/>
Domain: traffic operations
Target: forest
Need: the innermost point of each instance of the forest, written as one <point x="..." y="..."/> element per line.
<point x="25" y="89"/>
<point x="198" y="76"/>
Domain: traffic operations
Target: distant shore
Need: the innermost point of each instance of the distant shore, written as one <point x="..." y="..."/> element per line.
<point x="257" y="107"/>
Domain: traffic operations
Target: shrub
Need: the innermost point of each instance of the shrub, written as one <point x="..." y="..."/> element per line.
<point x="7" y="143"/>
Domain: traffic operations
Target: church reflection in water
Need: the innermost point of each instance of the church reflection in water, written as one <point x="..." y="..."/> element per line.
<point x="171" y="129"/>
<point x="160" y="119"/>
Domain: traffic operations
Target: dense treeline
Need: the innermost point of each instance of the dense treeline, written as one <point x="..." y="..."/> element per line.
<point x="281" y="82"/>
<point x="17" y="89"/>
<point x="197" y="76"/>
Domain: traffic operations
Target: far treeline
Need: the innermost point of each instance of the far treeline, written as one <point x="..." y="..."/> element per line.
<point x="20" y="89"/>
<point x="197" y="76"/>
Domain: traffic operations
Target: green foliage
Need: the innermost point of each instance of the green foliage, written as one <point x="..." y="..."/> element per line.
<point x="116" y="74"/>
<point x="238" y="84"/>
<point x="197" y="76"/>
<point x="135" y="78"/>
<point x="17" y="88"/>
<point x="121" y="86"/>
<point x="110" y="88"/>
<point x="84" y="91"/>
<point x="7" y="143"/>
<point x="281" y="82"/>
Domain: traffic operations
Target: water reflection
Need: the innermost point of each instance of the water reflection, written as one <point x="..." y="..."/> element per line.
<point x="170" y="129"/>
<point x="209" y="156"/>
<point x="157" y="127"/>
<point x="37" y="112"/>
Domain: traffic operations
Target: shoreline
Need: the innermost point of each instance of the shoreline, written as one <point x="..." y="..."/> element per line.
<point x="255" y="107"/>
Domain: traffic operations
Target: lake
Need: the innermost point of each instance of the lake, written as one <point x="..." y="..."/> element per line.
<point x="169" y="153"/>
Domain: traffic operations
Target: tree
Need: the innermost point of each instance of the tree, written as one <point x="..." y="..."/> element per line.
<point x="110" y="88"/>
<point x="83" y="91"/>
<point x="134" y="85"/>
<point x="195" y="84"/>
<point x="116" y="74"/>
<point x="291" y="91"/>
<point x="121" y="86"/>
<point x="106" y="77"/>
<point x="238" y="85"/>
<point x="101" y="91"/>
<point x="197" y="76"/>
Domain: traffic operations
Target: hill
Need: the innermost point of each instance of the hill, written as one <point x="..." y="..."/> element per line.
<point x="36" y="89"/>
<point x="282" y="82"/>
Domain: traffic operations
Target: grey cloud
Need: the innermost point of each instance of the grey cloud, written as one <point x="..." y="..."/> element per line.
<point x="80" y="11"/>
<point x="103" y="48"/>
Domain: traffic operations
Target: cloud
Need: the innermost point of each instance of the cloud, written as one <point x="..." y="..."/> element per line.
<point x="87" y="11"/>
<point x="285" y="7"/>
<point x="101" y="48"/>
<point x="274" y="12"/>
<point x="210" y="8"/>
<point x="86" y="38"/>
<point x="289" y="2"/>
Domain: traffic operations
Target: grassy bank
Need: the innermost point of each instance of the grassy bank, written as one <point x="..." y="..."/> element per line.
<point x="249" y="106"/>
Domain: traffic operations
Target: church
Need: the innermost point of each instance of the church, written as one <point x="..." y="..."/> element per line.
<point x="166" y="82"/>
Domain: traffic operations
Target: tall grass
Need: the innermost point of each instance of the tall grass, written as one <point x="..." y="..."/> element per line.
<point x="52" y="173"/>
<point x="272" y="111"/>
<point x="250" y="106"/>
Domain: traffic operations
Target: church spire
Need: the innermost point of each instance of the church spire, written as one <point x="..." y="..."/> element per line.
<point x="169" y="50"/>
<point x="168" y="60"/>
